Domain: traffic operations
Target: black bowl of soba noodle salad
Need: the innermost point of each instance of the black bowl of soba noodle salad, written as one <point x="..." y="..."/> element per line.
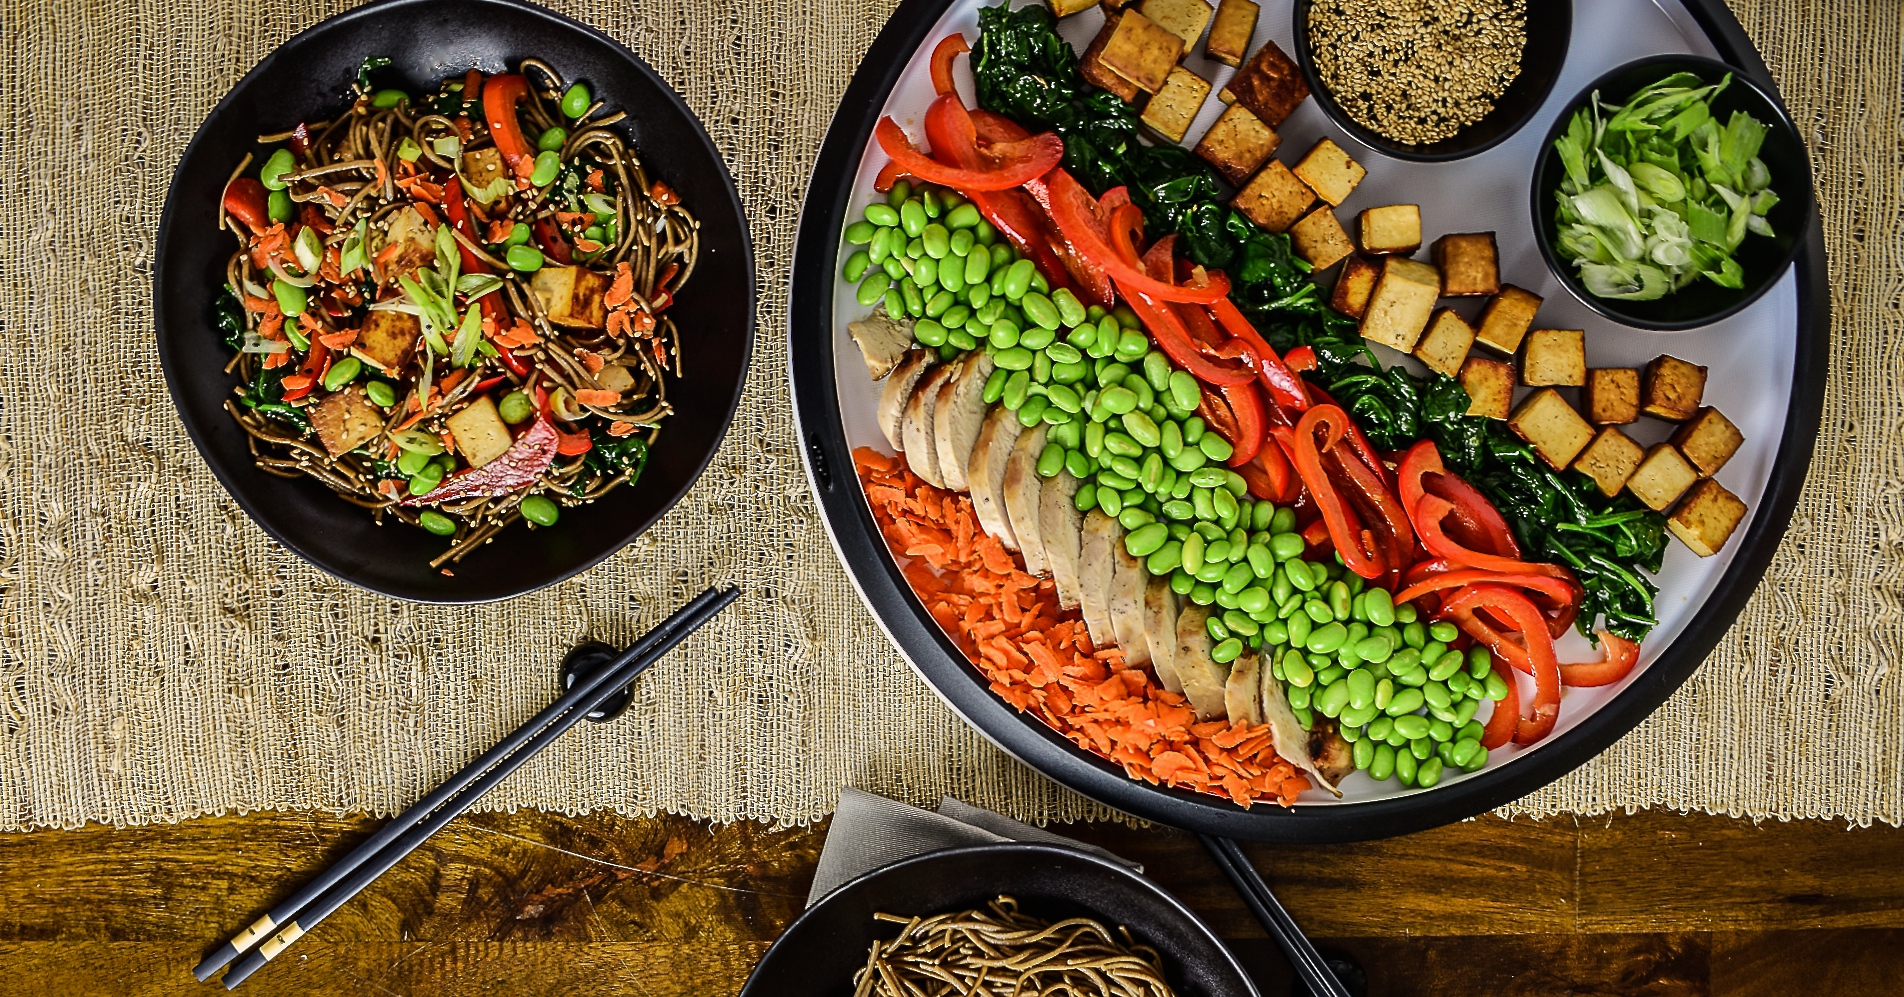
<point x="996" y="921"/>
<point x="456" y="298"/>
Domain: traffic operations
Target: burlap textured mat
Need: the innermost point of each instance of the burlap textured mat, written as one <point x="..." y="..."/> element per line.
<point x="160" y="658"/>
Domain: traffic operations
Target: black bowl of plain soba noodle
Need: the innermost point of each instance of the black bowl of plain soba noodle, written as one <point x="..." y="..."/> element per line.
<point x="820" y="952"/>
<point x="307" y="78"/>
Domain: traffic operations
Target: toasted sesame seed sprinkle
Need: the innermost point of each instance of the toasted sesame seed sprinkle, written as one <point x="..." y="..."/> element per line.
<point x="1417" y="71"/>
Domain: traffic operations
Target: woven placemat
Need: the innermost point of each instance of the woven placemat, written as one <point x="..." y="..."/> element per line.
<point x="161" y="658"/>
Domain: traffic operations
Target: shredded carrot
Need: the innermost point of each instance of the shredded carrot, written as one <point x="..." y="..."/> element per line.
<point x="595" y="180"/>
<point x="621" y="428"/>
<point x="500" y="229"/>
<point x="596" y="396"/>
<point x="1039" y="657"/>
<point x="337" y="200"/>
<point x="618" y="323"/>
<point x="591" y="360"/>
<point x="587" y="245"/>
<point x="623" y="288"/>
<point x="273" y="360"/>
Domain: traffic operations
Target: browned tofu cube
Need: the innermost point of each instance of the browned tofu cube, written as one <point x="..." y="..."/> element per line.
<point x="1551" y="427"/>
<point x="1490" y="387"/>
<point x="1238" y="144"/>
<point x="1671" y="388"/>
<point x="1705" y="521"/>
<point x="1230" y="35"/>
<point x="1226" y="95"/>
<point x="1708" y="440"/>
<point x="1612" y="396"/>
<point x="480" y="434"/>
<point x="1392" y="229"/>
<point x="1470" y="264"/>
<point x="1170" y="112"/>
<point x="1355" y="286"/>
<point x="388" y="339"/>
<point x="482" y="167"/>
<point x="1444" y="347"/>
<point x="1507" y="319"/>
<point x="1274" y="198"/>
<point x="1270" y="85"/>
<point x="1554" y="356"/>
<point x="410" y="230"/>
<point x="1184" y="18"/>
<point x="1610" y="460"/>
<point x="1065" y="8"/>
<point x="1141" y="51"/>
<point x="345" y="420"/>
<point x="571" y="296"/>
<point x="1662" y="477"/>
<point x="1404" y="300"/>
<point x="1329" y="172"/>
<point x="1092" y="68"/>
<point x="1320" y="240"/>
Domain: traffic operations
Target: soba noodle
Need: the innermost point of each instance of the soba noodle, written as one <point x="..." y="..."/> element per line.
<point x="999" y="952"/>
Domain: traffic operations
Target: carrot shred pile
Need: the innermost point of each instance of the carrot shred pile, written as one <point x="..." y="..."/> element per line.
<point x="1039" y="657"/>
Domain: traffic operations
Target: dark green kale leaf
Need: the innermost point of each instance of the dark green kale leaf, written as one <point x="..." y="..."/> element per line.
<point x="369" y="65"/>
<point x="228" y="317"/>
<point x="614" y="455"/>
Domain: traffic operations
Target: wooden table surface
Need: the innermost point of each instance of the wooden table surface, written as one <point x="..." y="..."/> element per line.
<point x="532" y="903"/>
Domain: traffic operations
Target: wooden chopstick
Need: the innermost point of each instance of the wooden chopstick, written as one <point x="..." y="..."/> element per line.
<point x="1309" y="965"/>
<point x="331" y="888"/>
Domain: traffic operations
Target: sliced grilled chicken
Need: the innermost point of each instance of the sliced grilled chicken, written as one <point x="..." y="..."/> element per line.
<point x="1160" y="631"/>
<point x="898" y="391"/>
<point x="1128" y="579"/>
<point x="883" y="341"/>
<point x="1334" y="757"/>
<point x="1023" y="491"/>
<point x="959" y="417"/>
<point x="1096" y="565"/>
<point x="1203" y="679"/>
<point x="921" y="449"/>
<point x="1243" y="691"/>
<point x="1061" y="527"/>
<point x="1292" y="742"/>
<point x="986" y="473"/>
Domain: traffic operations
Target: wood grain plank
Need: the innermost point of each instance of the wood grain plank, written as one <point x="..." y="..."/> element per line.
<point x="1534" y="965"/>
<point x="1826" y="962"/>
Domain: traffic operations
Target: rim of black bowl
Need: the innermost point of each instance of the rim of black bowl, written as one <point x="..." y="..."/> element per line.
<point x="869" y="563"/>
<point x="1798" y="207"/>
<point x="1546" y="49"/>
<point x="239" y="481"/>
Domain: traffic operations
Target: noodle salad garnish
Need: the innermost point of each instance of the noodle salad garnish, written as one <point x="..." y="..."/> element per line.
<point x="453" y="309"/>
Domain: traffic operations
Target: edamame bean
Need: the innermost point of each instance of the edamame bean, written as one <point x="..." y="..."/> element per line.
<point x="1353" y="717"/>
<point x="855" y="268"/>
<point x="960" y="339"/>
<point x="1227" y="651"/>
<point x="1411" y="726"/>
<point x="1237" y="578"/>
<point x="1284" y="546"/>
<point x="436" y="522"/>
<point x="1380" y="607"/>
<point x="965" y="216"/>
<point x="870" y="291"/>
<point x="1018" y="280"/>
<point x="291" y="298"/>
<point x="1318" y="611"/>
<point x="1429" y="773"/>
<point x="1339" y="600"/>
<point x="1327" y="639"/>
<point x="575" y="103"/>
<point x="912" y="218"/>
<point x="1040" y="310"/>
<point x="274" y="169"/>
<point x="382" y="395"/>
<point x="1299" y="574"/>
<point x="1254" y="601"/>
<point x="884" y="216"/>
<point x="1050" y="461"/>
<point x="1033" y="411"/>
<point x="1077" y="463"/>
<point x="342" y="373"/>
<point x="1070" y="309"/>
<point x="1331" y="700"/>
<point x="1361" y="688"/>
<point x="1443" y="631"/>
<point x="936" y="241"/>
<point x="1383" y="764"/>
<point x="1364" y="752"/>
<point x="1436" y="695"/>
<point x="1301" y="628"/>
<point x="1405" y="703"/>
<point x="1415" y="635"/>
<point x="1144" y="542"/>
<point x="1447" y="666"/>
<point x="528" y="259"/>
<point x="939" y="304"/>
<point x="548" y="165"/>
<point x="1374" y="650"/>
<point x="1118" y="400"/>
<point x="1015" y="358"/>
<point x="1143" y="430"/>
<point x="1064" y="397"/>
<point x="279" y="207"/>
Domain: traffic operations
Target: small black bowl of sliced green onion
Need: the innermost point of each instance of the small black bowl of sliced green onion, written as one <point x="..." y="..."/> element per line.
<point x="1672" y="192"/>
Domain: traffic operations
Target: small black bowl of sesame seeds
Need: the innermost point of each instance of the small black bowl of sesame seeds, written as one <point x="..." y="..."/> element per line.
<point x="1432" y="81"/>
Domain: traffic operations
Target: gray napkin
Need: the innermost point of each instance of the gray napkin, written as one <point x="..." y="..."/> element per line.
<point x="870" y="831"/>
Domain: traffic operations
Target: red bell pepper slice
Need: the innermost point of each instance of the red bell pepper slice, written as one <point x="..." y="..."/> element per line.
<point x="1354" y="544"/>
<point x="1269" y="476"/>
<point x="1252" y="426"/>
<point x="316" y="362"/>
<point x="1167" y="329"/>
<point x="1555" y="589"/>
<point x="1430" y="511"/>
<point x="888" y="175"/>
<point x="500" y="96"/>
<point x="949" y="48"/>
<point x="952" y="132"/>
<point x="1285" y="388"/>
<point x="1082" y="230"/>
<point x="1621" y="656"/>
<point x="1301" y="358"/>
<point x="1018" y="162"/>
<point x="1506" y="717"/>
<point x="1477" y="523"/>
<point x="520" y="465"/>
<point x="246" y="200"/>
<point x="993" y="128"/>
<point x="1537" y="719"/>
<point x="550" y="240"/>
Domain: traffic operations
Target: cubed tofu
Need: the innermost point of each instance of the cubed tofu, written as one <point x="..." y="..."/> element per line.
<point x="1170" y="112"/>
<point x="1403" y="301"/>
<point x="417" y="237"/>
<point x="1320" y="240"/>
<point x="1551" y="427"/>
<point x="1065" y="8"/>
<point x="1230" y="34"/>
<point x="388" y="339"/>
<point x="1708" y="440"/>
<point x="345" y="420"/>
<point x="1226" y="95"/>
<point x="1507" y="318"/>
<point x="1662" y="477"/>
<point x="1554" y="357"/>
<point x="1141" y="51"/>
<point x="1184" y="18"/>
<point x="1612" y="396"/>
<point x="1490" y="387"/>
<point x="482" y="167"/>
<point x="1238" y="144"/>
<point x="1470" y="264"/>
<point x="1610" y="460"/>
<point x="1274" y="198"/>
<point x="1270" y="85"/>
<point x="571" y="296"/>
<point x="1444" y="347"/>
<point x="1706" y="519"/>
<point x="1091" y="65"/>
<point x="1392" y="229"/>
<point x="481" y="435"/>
<point x="1355" y="286"/>
<point x="1671" y="388"/>
<point x="1329" y="172"/>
